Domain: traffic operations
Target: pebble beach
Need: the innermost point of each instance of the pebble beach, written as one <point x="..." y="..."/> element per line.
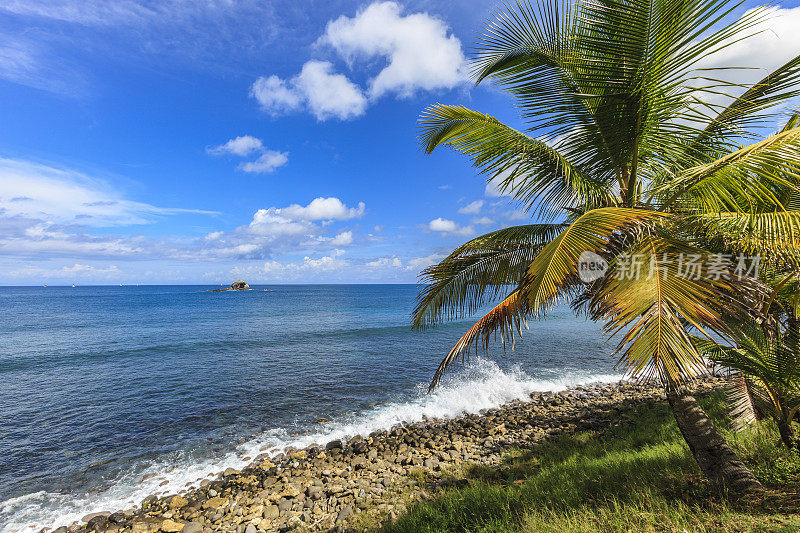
<point x="356" y="484"/>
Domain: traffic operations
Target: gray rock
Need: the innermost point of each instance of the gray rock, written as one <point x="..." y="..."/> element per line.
<point x="250" y="529"/>
<point x="344" y="514"/>
<point x="334" y="445"/>
<point x="284" y="505"/>
<point x="192" y="527"/>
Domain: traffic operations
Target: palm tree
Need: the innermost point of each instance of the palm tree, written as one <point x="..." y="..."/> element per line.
<point x="629" y="149"/>
<point x="768" y="383"/>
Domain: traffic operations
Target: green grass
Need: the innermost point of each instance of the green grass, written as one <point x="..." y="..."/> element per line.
<point x="638" y="476"/>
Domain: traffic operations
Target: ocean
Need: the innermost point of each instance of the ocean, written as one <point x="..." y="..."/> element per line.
<point x="110" y="394"/>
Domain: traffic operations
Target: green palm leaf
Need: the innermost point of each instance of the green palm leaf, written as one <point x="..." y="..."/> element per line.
<point x="477" y="271"/>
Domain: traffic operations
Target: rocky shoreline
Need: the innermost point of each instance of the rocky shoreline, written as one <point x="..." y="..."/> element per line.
<point x="361" y="482"/>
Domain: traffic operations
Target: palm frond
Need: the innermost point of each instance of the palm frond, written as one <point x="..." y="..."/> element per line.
<point x="651" y="297"/>
<point x="774" y="236"/>
<point x="774" y="89"/>
<point x="751" y="175"/>
<point x="555" y="267"/>
<point x="475" y="272"/>
<point x="529" y="169"/>
<point x="507" y="317"/>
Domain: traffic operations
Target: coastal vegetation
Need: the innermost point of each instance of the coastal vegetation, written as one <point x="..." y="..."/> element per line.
<point x="634" y="150"/>
<point x="635" y="476"/>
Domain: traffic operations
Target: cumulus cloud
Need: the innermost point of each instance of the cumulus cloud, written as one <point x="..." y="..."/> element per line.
<point x="310" y="268"/>
<point x="345" y="238"/>
<point x="472" y="208"/>
<point x="48" y="213"/>
<point x="417" y="48"/>
<point x="482" y="221"/>
<point x="246" y="145"/>
<point x="323" y="92"/>
<point x="443" y="225"/>
<point x="323" y="209"/>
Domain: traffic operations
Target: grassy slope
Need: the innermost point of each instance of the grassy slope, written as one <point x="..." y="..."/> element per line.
<point x="638" y="476"/>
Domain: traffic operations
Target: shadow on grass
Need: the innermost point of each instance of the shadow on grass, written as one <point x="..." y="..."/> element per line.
<point x="637" y="475"/>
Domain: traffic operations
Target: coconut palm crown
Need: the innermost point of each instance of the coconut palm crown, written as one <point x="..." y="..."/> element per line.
<point x="631" y="147"/>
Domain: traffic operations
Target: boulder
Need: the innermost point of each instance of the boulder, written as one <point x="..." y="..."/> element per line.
<point x="240" y="285"/>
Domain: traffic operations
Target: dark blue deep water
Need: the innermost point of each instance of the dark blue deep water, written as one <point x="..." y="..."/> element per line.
<point x="101" y="387"/>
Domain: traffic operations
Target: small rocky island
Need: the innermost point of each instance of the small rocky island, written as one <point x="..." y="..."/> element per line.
<point x="240" y="285"/>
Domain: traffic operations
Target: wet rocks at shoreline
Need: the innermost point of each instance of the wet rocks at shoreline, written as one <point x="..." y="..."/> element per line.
<point x="371" y="478"/>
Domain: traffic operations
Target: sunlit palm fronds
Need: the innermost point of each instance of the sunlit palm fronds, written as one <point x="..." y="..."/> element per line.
<point x="476" y="272"/>
<point x="531" y="170"/>
<point x="652" y="293"/>
<point x="774" y="236"/>
<point x="506" y="318"/>
<point x="555" y="267"/>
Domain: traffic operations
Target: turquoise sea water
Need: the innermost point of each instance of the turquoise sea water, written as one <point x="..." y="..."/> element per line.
<point x="108" y="394"/>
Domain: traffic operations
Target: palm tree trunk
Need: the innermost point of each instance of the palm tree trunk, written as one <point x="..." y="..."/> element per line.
<point x="718" y="462"/>
<point x="787" y="433"/>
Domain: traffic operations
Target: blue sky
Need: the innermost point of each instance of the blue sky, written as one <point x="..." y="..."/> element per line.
<point x="201" y="142"/>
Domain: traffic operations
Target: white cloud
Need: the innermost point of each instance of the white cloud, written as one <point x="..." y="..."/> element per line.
<point x="305" y="270"/>
<point x="419" y="52"/>
<point x="275" y="95"/>
<point x="343" y="239"/>
<point x="482" y="221"/>
<point x="271" y="222"/>
<point x="385" y="262"/>
<point x="73" y="272"/>
<point x="472" y="208"/>
<point x="267" y="162"/>
<point x="323" y="209"/>
<point x="242" y="146"/>
<point x="325" y="93"/>
<point x="330" y="95"/>
<point x="444" y="187"/>
<point x="777" y="43"/>
<point x="246" y="145"/>
<point x="517" y="214"/>
<point x="443" y="225"/>
<point x="52" y="195"/>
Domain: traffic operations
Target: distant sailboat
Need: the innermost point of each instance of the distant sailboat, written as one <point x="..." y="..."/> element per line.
<point x="73" y="286"/>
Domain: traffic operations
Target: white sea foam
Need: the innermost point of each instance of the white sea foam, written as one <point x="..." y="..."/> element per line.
<point x="481" y="386"/>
